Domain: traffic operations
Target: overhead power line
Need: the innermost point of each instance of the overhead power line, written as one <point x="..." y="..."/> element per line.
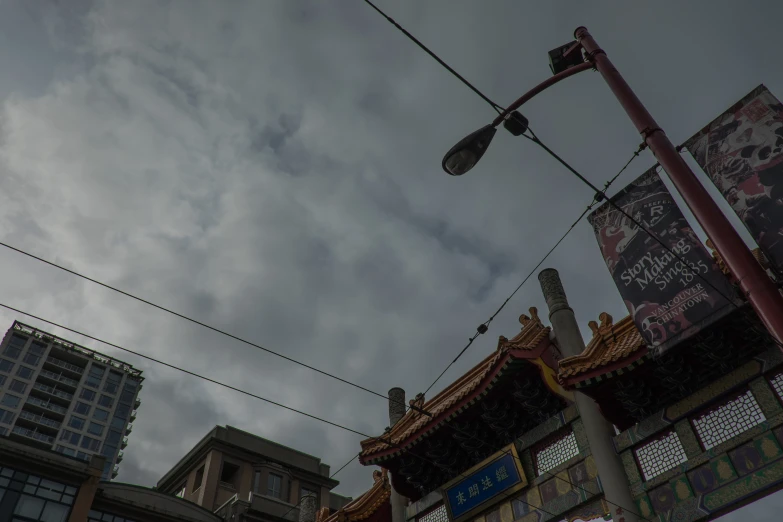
<point x="213" y="381"/>
<point x="183" y="370"/>
<point x="484" y="327"/>
<point x="427" y="50"/>
<point x="191" y="320"/>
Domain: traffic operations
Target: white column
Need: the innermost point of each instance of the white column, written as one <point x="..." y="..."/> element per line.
<point x="598" y="430"/>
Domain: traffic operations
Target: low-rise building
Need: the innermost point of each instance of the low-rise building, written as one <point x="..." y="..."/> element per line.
<point x="236" y="472"/>
<point x="40" y="485"/>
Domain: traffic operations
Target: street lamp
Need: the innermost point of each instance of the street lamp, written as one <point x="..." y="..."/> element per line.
<point x="568" y="60"/>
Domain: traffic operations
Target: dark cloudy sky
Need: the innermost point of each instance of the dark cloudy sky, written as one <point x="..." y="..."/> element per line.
<point x="273" y="168"/>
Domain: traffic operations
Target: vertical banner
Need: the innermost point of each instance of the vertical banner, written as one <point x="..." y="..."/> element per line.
<point x="670" y="297"/>
<point x="742" y="153"/>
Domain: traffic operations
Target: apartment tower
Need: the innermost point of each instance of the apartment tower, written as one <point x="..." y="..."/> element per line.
<point x="57" y="395"/>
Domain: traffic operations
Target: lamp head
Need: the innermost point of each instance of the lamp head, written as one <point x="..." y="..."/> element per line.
<point x="468" y="151"/>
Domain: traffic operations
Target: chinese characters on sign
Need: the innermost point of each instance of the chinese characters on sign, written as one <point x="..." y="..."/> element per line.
<point x="483" y="484"/>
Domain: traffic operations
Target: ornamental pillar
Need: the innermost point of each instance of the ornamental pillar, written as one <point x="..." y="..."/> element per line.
<point x="598" y="430"/>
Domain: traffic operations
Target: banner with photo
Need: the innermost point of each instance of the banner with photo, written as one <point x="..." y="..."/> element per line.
<point x="671" y="293"/>
<point x="742" y="153"/>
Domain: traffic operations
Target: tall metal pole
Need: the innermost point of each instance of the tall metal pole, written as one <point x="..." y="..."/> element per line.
<point x="754" y="282"/>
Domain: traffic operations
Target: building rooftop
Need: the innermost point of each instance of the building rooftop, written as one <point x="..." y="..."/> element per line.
<point x="531" y="343"/>
<point x="612" y="344"/>
<point x="73" y="347"/>
<point x="254" y="444"/>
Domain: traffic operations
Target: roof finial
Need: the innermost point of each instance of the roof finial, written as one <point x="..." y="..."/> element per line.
<point x="593" y="327"/>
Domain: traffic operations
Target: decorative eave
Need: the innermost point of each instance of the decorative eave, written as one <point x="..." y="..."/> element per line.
<point x="363" y="507"/>
<point x="614" y="348"/>
<point x="531" y="345"/>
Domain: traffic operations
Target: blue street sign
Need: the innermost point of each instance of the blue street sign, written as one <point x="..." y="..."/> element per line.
<point x="483" y="485"/>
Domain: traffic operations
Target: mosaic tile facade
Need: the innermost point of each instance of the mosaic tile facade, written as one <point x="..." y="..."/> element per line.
<point x="742" y="461"/>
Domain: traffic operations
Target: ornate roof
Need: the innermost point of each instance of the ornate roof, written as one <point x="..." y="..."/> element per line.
<point x="619" y="344"/>
<point x="363" y="507"/>
<point x="612" y="344"/>
<point x="528" y="344"/>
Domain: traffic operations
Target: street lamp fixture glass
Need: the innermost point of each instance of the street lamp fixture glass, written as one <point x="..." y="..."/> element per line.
<point x="465" y="154"/>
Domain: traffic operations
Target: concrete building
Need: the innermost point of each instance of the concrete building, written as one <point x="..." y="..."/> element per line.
<point x="232" y="472"/>
<point x="39" y="485"/>
<point x="57" y="395"/>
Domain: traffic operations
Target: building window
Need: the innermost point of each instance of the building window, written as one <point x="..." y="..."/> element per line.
<point x="40" y="500"/>
<point x="2" y="380"/>
<point x="81" y="408"/>
<point x="18" y="341"/>
<point x="199" y="478"/>
<point x="114" y="437"/>
<point x="109" y="451"/>
<point x="112" y="382"/>
<point x="181" y="491"/>
<point x="17" y="386"/>
<point x="95" y="429"/>
<point x="12" y="401"/>
<point x="437" y="514"/>
<point x="87" y="395"/>
<point x="555" y="451"/>
<point x="274" y="485"/>
<point x="728" y="420"/>
<point x="70" y="437"/>
<point x="122" y="411"/>
<point x="106" y="401"/>
<point x="76" y="422"/>
<point x="660" y="455"/>
<point x="32" y="359"/>
<point x="12" y="352"/>
<point x="229" y="474"/>
<point x="100" y="414"/>
<point x="6" y="366"/>
<point x="101" y="516"/>
<point x="37" y="348"/>
<point x="126" y="397"/>
<point x="94" y="376"/>
<point x="25" y="373"/>
<point x="65" y="450"/>
<point x="118" y="423"/>
<point x="6" y="417"/>
<point x="91" y="444"/>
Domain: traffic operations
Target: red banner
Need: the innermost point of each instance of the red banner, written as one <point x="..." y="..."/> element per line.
<point x="742" y="153"/>
<point x="672" y="292"/>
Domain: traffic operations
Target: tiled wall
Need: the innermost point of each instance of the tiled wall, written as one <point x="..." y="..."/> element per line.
<point x="718" y="479"/>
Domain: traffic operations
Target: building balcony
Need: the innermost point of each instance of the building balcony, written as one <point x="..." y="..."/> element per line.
<point x="129" y="428"/>
<point x="133" y="415"/>
<point x="120" y="456"/>
<point x="53" y="392"/>
<point x="115" y="471"/>
<point x="59" y="363"/>
<point x="46" y="405"/>
<point x="39" y="420"/>
<point x="48" y="440"/>
<point x="137" y="404"/>
<point x="58" y="378"/>
<point x="124" y="443"/>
